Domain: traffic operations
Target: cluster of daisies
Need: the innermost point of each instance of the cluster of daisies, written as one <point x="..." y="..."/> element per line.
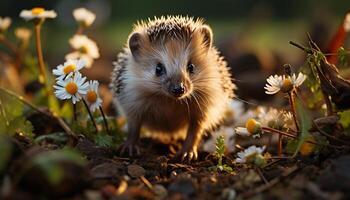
<point x="254" y="122"/>
<point x="83" y="47"/>
<point x="70" y="84"/>
<point x="273" y="119"/>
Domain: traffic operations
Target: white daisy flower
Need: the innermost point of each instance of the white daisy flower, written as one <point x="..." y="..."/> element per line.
<point x="85" y="48"/>
<point x="5" y="23"/>
<point x="85" y="45"/>
<point x="23" y="33"/>
<point x="347" y="23"/>
<point x="68" y="67"/>
<point x="73" y="87"/>
<point x="282" y="83"/>
<point x="84" y="16"/>
<point x="37" y="13"/>
<point x="252" y="127"/>
<point x="242" y="131"/>
<point x="92" y="97"/>
<point x="227" y="133"/>
<point x="78" y="55"/>
<point x="272" y="118"/>
<point x="249" y="154"/>
<point x="288" y="120"/>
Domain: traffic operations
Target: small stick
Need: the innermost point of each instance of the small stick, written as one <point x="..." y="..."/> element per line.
<point x="50" y="114"/>
<point x="270" y="184"/>
<point x="146" y="182"/>
<point x="259" y="172"/>
<point x="90" y="114"/>
<point x="327" y="135"/>
<point x="309" y="51"/>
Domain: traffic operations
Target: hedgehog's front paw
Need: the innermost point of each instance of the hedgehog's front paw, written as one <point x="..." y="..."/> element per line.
<point x="188" y="153"/>
<point x="129" y="148"/>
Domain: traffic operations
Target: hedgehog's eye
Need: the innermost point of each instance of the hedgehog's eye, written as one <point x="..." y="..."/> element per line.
<point x="160" y="69"/>
<point x="190" y="68"/>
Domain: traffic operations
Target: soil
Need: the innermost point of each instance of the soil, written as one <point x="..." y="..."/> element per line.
<point x="156" y="175"/>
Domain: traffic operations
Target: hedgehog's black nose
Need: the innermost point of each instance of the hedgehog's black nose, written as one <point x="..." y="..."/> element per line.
<point x="178" y="89"/>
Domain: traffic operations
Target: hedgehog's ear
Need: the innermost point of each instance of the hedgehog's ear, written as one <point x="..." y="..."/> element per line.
<point x="207" y="35"/>
<point x="135" y="42"/>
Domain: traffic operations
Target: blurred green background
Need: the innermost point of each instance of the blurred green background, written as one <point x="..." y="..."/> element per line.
<point x="259" y="30"/>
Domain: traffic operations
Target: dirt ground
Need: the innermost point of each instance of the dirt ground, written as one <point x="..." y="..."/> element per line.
<point x="155" y="175"/>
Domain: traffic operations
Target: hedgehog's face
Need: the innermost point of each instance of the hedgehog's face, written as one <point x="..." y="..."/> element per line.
<point x="171" y="65"/>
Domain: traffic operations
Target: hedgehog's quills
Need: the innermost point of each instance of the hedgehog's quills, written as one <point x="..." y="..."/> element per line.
<point x="171" y="80"/>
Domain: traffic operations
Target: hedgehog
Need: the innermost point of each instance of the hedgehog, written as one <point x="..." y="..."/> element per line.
<point x="170" y="79"/>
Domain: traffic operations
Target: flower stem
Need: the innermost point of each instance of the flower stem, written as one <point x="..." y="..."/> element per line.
<point x="39" y="51"/>
<point x="280" y="145"/>
<point x="292" y="107"/>
<point x="8" y="44"/>
<point x="90" y="114"/>
<point x="75" y="113"/>
<point x="80" y="30"/>
<point x="271" y="130"/>
<point x="104" y="119"/>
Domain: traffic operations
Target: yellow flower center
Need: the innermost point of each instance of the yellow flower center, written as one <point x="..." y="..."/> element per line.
<point x="91" y="96"/>
<point x="71" y="88"/>
<point x="287" y="85"/>
<point x="84" y="49"/>
<point x="250" y="157"/>
<point x="37" y="11"/>
<point x="69" y="68"/>
<point x="252" y="126"/>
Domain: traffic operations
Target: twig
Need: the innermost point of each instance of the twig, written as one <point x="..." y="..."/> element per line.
<point x="327" y="135"/>
<point x="307" y="50"/>
<point x="146" y="182"/>
<point x="258" y="170"/>
<point x="60" y="121"/>
<point x="270" y="184"/>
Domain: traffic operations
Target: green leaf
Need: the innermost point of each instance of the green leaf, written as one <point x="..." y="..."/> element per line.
<point x="220" y="146"/>
<point x="342" y="54"/>
<point x="12" y="118"/>
<point x="66" y="110"/>
<point x="304" y="120"/>
<point x="58" y="137"/>
<point x="344" y="118"/>
<point x="21" y="126"/>
<point x="103" y="140"/>
<point x="292" y="146"/>
<point x="49" y="163"/>
<point x="53" y="103"/>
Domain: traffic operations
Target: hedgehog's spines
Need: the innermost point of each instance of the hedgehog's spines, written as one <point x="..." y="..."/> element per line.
<point x="161" y="28"/>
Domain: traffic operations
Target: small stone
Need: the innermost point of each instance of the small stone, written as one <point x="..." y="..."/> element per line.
<point x="228" y="194"/>
<point x="93" y="195"/>
<point x="160" y="191"/>
<point x="185" y="186"/>
<point x="173" y="174"/>
<point x="136" y="171"/>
